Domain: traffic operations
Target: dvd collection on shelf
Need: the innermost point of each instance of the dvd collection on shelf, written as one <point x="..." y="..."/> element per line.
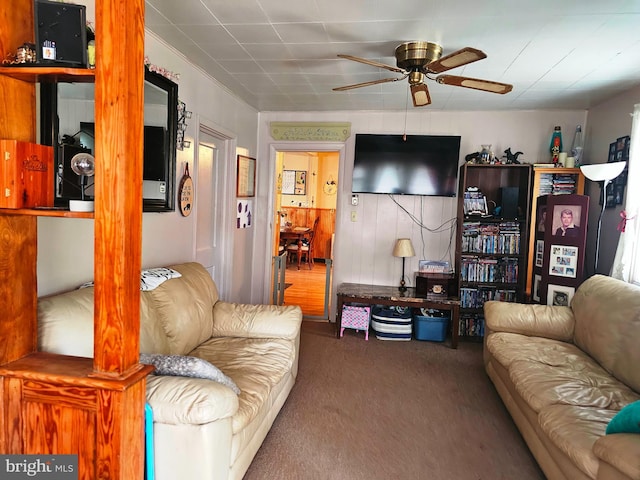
<point x="471" y="325"/>
<point x="474" y="297"/>
<point x="500" y="238"/>
<point x="489" y="270"/>
<point x="557" y="183"/>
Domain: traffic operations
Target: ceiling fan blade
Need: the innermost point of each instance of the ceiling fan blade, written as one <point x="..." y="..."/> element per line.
<point x="366" y="84"/>
<point x="456" y="59"/>
<point x="420" y="95"/>
<point x="475" y="83"/>
<point x="372" y="63"/>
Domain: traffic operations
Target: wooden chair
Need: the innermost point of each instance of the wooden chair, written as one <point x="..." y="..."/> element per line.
<point x="307" y="248"/>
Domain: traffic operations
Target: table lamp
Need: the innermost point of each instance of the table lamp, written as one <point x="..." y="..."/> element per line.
<point x="602" y="172"/>
<point x="83" y="165"/>
<point x="403" y="249"/>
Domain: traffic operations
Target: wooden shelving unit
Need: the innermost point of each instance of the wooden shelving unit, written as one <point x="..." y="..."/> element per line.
<point x="53" y="404"/>
<point x="491" y="250"/>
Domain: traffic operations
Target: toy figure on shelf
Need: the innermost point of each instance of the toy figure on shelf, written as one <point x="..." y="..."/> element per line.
<point x="511" y="157"/>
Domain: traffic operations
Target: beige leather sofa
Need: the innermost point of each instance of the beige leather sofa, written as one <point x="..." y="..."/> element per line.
<point x="564" y="372"/>
<point x="202" y="429"/>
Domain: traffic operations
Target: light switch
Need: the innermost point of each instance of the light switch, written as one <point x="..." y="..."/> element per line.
<point x="354" y="200"/>
<point x="354" y="216"/>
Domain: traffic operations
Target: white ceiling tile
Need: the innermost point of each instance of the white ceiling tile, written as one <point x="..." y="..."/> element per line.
<point x="580" y="54"/>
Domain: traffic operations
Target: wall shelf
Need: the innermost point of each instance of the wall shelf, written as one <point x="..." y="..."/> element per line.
<point x="49" y="74"/>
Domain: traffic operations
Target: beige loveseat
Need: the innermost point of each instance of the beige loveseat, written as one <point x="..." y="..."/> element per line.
<point x="202" y="429"/>
<point x="563" y="374"/>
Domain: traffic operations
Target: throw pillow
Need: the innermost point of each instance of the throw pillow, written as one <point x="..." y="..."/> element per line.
<point x="626" y="420"/>
<point x="186" y="366"/>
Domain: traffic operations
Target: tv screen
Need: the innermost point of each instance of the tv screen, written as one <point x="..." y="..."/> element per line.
<point x="419" y="165"/>
<point x="154" y="148"/>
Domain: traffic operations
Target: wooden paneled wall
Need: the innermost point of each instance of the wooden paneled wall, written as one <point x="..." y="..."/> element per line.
<point x="304" y="217"/>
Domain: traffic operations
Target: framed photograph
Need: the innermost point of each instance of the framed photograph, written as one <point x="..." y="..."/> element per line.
<point x="246" y="177"/>
<point x="294" y="182"/>
<point x="566" y="221"/>
<point x="539" y="252"/>
<point x="559" y="295"/>
<point x="535" y="294"/>
<point x="563" y="261"/>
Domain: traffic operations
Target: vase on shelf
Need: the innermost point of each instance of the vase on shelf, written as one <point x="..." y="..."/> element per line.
<point x="485" y="153"/>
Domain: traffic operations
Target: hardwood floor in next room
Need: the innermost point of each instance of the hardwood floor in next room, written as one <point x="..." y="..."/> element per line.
<point x="307" y="288"/>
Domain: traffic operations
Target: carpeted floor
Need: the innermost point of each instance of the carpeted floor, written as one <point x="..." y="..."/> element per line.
<point x="391" y="410"/>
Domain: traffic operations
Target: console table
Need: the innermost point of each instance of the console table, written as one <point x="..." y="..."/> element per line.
<point x="385" y="295"/>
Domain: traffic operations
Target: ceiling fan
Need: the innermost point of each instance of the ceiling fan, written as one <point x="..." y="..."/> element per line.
<point x="419" y="60"/>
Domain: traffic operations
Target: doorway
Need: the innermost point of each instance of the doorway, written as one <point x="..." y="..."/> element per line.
<point x="306" y="187"/>
<point x="210" y="237"/>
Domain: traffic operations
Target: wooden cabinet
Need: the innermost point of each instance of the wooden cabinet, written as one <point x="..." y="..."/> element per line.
<point x="53" y="404"/>
<point x="548" y="181"/>
<point x="491" y="247"/>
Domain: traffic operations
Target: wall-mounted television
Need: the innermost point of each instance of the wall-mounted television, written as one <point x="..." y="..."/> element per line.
<point x="417" y="165"/>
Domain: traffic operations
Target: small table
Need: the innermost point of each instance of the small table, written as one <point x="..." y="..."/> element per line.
<point x="296" y="233"/>
<point x="385" y="295"/>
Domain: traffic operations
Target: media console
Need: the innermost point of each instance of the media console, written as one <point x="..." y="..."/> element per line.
<point x="386" y="295"/>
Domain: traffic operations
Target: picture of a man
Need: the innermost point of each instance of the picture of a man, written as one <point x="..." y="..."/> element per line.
<point x="567" y="227"/>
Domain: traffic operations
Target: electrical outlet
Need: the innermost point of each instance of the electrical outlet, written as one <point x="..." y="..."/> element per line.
<point x="354" y="216"/>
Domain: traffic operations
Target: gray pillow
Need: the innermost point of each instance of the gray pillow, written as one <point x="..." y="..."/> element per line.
<point x="186" y="366"/>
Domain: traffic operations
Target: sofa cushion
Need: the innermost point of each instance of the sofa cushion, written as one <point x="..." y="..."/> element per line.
<point x="574" y="430"/>
<point x="184" y="308"/>
<point x="509" y="347"/>
<point x="191" y="401"/>
<point x="607" y="313"/>
<point x="186" y="366"/>
<point x="576" y="380"/>
<point x="254" y="364"/>
<point x="626" y="420"/>
<point x="65" y="324"/>
<point x="620" y="451"/>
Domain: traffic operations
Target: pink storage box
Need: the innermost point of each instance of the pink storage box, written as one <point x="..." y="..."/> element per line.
<point x="356" y="317"/>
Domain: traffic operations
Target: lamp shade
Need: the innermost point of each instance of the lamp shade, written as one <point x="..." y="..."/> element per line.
<point x="598" y="172"/>
<point x="403" y="248"/>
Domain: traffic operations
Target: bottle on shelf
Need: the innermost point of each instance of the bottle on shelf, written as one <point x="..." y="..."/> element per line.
<point x="576" y="146"/>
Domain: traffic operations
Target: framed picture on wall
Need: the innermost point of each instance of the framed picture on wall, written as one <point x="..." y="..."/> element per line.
<point x="246" y="177"/>
<point x="294" y="182"/>
<point x="559" y="295"/>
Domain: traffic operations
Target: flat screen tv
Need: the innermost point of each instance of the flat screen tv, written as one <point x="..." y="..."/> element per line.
<point x="419" y="165"/>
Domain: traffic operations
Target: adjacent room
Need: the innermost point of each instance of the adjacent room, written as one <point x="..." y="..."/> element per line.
<point x="321" y="240"/>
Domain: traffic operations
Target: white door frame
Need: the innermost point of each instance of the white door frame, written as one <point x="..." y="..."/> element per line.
<point x="301" y="146"/>
<point x="226" y="142"/>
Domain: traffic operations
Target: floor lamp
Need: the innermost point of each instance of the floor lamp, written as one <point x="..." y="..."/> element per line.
<point x="602" y="172"/>
<point x="403" y="249"/>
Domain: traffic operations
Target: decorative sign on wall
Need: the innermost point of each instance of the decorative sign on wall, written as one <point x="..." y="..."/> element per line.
<point x="244" y="214"/>
<point x="311" y="131"/>
<point x="185" y="193"/>
<point x="294" y="182"/>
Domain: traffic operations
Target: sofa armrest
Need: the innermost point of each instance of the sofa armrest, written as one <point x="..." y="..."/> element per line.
<point x="533" y="320"/>
<point x="258" y="321"/>
<point x="193" y="401"/>
<point x="621" y="451"/>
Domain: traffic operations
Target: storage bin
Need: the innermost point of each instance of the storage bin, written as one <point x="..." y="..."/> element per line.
<point x="391" y="323"/>
<point x="432" y="329"/>
<point x="356" y="317"/>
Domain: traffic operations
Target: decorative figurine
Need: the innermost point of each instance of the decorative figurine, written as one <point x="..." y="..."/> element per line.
<point x="511" y="157"/>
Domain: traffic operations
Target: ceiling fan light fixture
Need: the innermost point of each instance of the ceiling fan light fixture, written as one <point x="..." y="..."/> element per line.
<point x="420" y="95"/>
